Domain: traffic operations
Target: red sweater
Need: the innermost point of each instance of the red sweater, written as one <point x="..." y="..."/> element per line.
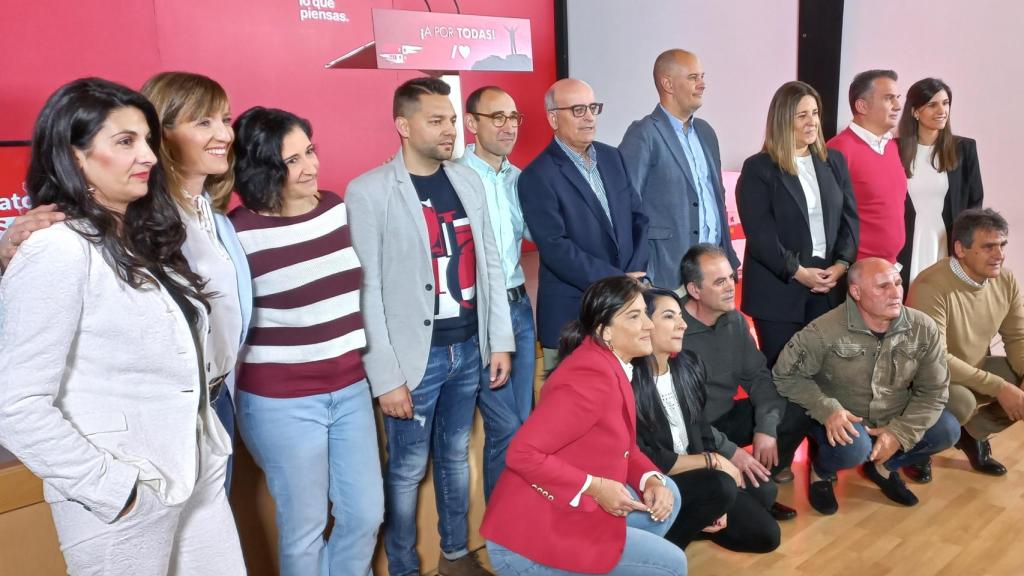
<point x="880" y="187"/>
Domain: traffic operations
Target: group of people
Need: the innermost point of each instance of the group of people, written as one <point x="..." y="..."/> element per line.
<point x="290" y="313"/>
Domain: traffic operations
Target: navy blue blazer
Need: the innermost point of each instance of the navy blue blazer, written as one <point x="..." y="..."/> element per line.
<point x="577" y="244"/>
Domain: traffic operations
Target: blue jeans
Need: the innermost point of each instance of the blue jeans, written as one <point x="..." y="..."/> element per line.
<point x="831" y="459"/>
<point x="646" y="550"/>
<point x="504" y="410"/>
<point x="316" y="449"/>
<point x="443" y="408"/>
<point x="224" y="407"/>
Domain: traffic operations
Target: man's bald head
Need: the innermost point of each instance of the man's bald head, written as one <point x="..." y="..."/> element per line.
<point x="867" y="268"/>
<point x="577" y="132"/>
<point x="679" y="78"/>
<point x="876" y="287"/>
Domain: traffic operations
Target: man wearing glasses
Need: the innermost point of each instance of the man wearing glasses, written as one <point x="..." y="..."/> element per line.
<point x="582" y="211"/>
<point x="674" y="163"/>
<point x="493" y="119"/>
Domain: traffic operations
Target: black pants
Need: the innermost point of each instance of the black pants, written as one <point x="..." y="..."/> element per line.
<point x="738" y="425"/>
<point x="772" y="336"/>
<point x="707" y="494"/>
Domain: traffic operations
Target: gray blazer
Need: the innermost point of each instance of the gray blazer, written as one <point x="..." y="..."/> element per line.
<point x="658" y="169"/>
<point x="388" y="231"/>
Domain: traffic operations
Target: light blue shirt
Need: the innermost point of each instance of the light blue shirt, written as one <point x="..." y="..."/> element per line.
<point x="590" y="173"/>
<point x="506" y="213"/>
<point x="710" y="228"/>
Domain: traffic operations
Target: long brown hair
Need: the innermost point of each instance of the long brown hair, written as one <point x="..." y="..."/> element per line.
<point x="183" y="97"/>
<point x="944" y="157"/>
<point x="778" y="132"/>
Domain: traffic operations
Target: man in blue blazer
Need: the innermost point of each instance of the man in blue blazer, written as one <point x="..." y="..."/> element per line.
<point x="674" y="163"/>
<point x="581" y="209"/>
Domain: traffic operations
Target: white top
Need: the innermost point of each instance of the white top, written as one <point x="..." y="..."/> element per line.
<point x="670" y="402"/>
<point x="927" y="189"/>
<point x="877" y="143"/>
<point x="812" y="193"/>
<point x="207" y="258"/>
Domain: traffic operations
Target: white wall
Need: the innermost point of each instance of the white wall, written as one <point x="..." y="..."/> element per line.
<point x="976" y="48"/>
<point x="748" y="50"/>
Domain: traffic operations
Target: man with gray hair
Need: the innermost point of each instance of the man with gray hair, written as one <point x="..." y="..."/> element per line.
<point x="972" y="297"/>
<point x="872" y="374"/>
<point x="581" y="209"/>
<point x="674" y="163"/>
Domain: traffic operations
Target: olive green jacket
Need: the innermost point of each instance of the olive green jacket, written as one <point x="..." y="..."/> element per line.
<point x="899" y="381"/>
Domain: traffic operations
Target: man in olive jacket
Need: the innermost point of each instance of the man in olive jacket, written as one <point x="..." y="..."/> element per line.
<point x="873" y="376"/>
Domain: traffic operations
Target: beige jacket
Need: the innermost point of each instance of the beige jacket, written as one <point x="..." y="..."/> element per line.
<point x="899" y="381"/>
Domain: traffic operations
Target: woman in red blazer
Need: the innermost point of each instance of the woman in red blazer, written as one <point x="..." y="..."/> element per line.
<point x="563" y="505"/>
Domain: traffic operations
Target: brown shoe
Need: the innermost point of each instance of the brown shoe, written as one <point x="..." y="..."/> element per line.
<point x="468" y="565"/>
<point x="783" y="475"/>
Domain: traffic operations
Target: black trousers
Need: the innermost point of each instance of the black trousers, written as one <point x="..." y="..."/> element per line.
<point x="738" y="425"/>
<point x="707" y="494"/>
<point x="772" y="336"/>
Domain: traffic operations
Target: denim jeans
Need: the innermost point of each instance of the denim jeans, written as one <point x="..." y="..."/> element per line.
<point x="224" y="407"/>
<point x="831" y="459"/>
<point x="504" y="410"/>
<point x="443" y="408"/>
<point x="316" y="449"/>
<point x="646" y="550"/>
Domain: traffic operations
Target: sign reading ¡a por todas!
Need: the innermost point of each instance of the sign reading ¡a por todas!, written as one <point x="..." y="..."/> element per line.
<point x="408" y="40"/>
<point x="13" y="199"/>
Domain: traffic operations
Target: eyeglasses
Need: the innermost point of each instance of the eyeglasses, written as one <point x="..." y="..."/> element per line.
<point x="580" y="110"/>
<point x="500" y="118"/>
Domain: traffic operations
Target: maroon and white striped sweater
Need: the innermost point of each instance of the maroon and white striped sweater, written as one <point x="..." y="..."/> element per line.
<point x="306" y="335"/>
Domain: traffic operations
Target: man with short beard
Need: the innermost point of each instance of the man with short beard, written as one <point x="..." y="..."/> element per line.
<point x="972" y="297"/>
<point x="435" y="313"/>
<point x="872" y="374"/>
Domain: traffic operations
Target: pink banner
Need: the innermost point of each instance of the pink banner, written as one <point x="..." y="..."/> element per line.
<point x="407" y="40"/>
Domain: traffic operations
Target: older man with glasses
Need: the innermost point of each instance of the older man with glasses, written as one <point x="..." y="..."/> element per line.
<point x="581" y="209"/>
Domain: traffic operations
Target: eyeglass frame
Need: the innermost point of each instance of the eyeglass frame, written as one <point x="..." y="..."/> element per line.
<point x="507" y="117"/>
<point x="595" y="108"/>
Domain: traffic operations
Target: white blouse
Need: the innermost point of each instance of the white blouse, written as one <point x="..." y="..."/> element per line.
<point x="927" y="189"/>
<point x="809" y="183"/>
<point x="207" y="258"/>
<point x="674" y="412"/>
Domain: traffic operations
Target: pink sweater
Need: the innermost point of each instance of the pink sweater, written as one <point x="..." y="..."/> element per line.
<point x="880" y="186"/>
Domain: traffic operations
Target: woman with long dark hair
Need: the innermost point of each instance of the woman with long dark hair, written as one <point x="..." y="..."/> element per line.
<point x="577" y="495"/>
<point x="304" y="406"/>
<point x="800" y="217"/>
<point x="943" y="178"/>
<point x="131" y="454"/>
<point x="717" y="501"/>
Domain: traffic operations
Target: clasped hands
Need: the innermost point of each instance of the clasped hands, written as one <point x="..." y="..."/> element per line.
<point x="615" y="499"/>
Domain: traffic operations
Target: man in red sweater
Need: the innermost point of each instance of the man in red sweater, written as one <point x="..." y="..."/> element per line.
<point x="879" y="182"/>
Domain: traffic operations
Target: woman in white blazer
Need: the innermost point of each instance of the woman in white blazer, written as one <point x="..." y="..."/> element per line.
<point x="102" y="394"/>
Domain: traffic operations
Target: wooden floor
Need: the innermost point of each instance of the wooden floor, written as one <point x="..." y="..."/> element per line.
<point x="966" y="524"/>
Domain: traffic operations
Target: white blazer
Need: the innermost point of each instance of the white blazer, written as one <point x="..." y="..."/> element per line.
<point x="100" y="383"/>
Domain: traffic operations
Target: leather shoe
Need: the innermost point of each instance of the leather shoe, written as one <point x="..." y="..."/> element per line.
<point x="822" y="497"/>
<point x="920" y="473"/>
<point x="782" y="512"/>
<point x="893" y="486"/>
<point x="979" y="454"/>
<point x="783" y="475"/>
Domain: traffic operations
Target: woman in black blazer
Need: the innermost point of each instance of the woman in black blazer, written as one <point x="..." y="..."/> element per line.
<point x="943" y="178"/>
<point x="717" y="501"/>
<point x="800" y="218"/>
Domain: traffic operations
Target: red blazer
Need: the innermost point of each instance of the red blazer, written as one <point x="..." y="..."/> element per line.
<point x="584" y="424"/>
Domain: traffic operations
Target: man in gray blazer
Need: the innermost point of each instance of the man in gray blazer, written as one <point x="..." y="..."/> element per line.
<point x="435" y="312"/>
<point x="673" y="162"/>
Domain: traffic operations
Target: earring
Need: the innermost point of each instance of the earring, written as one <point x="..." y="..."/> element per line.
<point x="90" y="189"/>
<point x="608" y="344"/>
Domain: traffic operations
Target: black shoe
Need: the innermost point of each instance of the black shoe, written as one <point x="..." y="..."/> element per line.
<point x="822" y="498"/>
<point x="893" y="486"/>
<point x="782" y="512"/>
<point x="979" y="454"/>
<point x="920" y="473"/>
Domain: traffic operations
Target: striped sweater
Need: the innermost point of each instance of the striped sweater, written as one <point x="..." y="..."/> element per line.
<point x="306" y="336"/>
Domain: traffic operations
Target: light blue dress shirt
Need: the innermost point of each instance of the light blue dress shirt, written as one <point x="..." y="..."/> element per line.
<point x="710" y="227"/>
<point x="506" y="214"/>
